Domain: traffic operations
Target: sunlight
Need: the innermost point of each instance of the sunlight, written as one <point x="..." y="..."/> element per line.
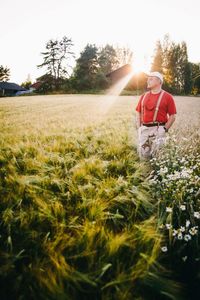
<point x="141" y="65"/>
<point x="112" y="94"/>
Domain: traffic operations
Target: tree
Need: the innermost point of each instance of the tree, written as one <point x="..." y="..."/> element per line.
<point x="107" y="59"/>
<point x="107" y="62"/>
<point x="195" y="70"/>
<point x="86" y="69"/>
<point x="167" y="63"/>
<point x="27" y="83"/>
<point x="55" y="59"/>
<point x="185" y="70"/>
<point x="4" y="73"/>
<point x="176" y="67"/>
<point x="124" y="56"/>
<point x="157" y="64"/>
<point x="46" y="84"/>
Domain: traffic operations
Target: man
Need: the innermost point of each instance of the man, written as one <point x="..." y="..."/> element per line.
<point x="155" y="114"/>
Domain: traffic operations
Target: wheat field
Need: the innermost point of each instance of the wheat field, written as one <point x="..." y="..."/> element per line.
<point x="81" y="216"/>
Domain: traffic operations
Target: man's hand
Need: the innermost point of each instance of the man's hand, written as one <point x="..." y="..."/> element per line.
<point x="170" y="121"/>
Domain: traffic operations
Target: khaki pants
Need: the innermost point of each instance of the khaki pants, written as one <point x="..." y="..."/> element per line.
<point x="150" y="139"/>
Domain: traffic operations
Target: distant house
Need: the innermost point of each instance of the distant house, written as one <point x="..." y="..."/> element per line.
<point x="119" y="73"/>
<point x="35" y="86"/>
<point x="10" y="88"/>
<point x="137" y="81"/>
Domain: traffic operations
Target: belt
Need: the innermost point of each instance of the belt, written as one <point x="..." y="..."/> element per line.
<point x="153" y="124"/>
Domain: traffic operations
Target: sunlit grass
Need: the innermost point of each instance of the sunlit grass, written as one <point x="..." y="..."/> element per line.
<point x="78" y="219"/>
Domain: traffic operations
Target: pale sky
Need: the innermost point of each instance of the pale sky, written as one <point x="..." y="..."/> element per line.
<point x="27" y="25"/>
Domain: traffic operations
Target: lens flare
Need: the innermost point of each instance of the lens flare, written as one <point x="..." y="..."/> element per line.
<point x="113" y="93"/>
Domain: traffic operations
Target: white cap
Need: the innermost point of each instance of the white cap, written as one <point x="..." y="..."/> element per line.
<point x="156" y="74"/>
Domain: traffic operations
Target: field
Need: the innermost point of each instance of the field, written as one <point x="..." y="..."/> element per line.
<point x="81" y="216"/>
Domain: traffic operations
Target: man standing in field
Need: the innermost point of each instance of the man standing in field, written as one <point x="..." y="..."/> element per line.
<point x="155" y="114"/>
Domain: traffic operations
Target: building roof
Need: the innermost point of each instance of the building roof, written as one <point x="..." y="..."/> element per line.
<point x="36" y="85"/>
<point x="11" y="86"/>
<point x="122" y="71"/>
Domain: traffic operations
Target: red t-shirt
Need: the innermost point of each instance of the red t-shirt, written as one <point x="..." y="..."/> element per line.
<point x="167" y="107"/>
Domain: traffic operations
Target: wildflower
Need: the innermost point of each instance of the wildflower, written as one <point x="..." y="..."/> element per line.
<point x="187" y="223"/>
<point x="180" y="236"/>
<point x="152" y="181"/>
<point x="164" y="170"/>
<point x="182" y="228"/>
<point x="187" y="237"/>
<point x="183" y="207"/>
<point x="174" y="233"/>
<point x="168" y="226"/>
<point x="164" y="249"/>
<point x="168" y="209"/>
<point x="197" y="214"/>
<point x="193" y="230"/>
<point x="184" y="258"/>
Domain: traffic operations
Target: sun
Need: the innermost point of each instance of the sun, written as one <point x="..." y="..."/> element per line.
<point x="140" y="64"/>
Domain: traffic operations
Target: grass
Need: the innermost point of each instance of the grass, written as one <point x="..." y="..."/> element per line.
<point x="176" y="186"/>
<point x="78" y="217"/>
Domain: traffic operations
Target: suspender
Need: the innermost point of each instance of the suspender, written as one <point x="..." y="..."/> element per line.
<point x="157" y="106"/>
<point x="156" y="109"/>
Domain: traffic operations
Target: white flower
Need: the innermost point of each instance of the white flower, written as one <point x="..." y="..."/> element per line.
<point x="180" y="236"/>
<point x="187" y="223"/>
<point x="168" y="226"/>
<point x="193" y="230"/>
<point x="164" y="170"/>
<point x="182" y="228"/>
<point x="168" y="209"/>
<point x="174" y="232"/>
<point x="164" y="249"/>
<point x="197" y="214"/>
<point x="183" y="207"/>
<point x="187" y="237"/>
<point x="184" y="258"/>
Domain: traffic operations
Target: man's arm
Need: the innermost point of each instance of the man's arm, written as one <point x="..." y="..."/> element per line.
<point x="138" y="119"/>
<point x="170" y="121"/>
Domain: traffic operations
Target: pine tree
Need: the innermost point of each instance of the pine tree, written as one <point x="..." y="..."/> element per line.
<point x="107" y="59"/>
<point x="176" y="67"/>
<point x="55" y="59"/>
<point x="157" y="64"/>
<point x="86" y="69"/>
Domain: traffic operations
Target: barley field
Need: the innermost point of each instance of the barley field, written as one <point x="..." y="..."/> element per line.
<point x="81" y="216"/>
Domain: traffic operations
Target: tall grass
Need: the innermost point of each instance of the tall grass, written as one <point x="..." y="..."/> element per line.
<point x="78" y="218"/>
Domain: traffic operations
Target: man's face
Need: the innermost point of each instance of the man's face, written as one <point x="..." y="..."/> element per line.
<point x="153" y="82"/>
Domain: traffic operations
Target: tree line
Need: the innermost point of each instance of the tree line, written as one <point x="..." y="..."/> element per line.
<point x="89" y="72"/>
<point x="181" y="76"/>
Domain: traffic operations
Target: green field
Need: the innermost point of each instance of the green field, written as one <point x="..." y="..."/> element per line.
<point x="81" y="216"/>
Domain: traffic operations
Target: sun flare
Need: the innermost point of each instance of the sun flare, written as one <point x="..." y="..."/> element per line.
<point x="140" y="65"/>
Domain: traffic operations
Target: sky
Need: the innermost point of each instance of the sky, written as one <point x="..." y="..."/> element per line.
<point x="26" y="26"/>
